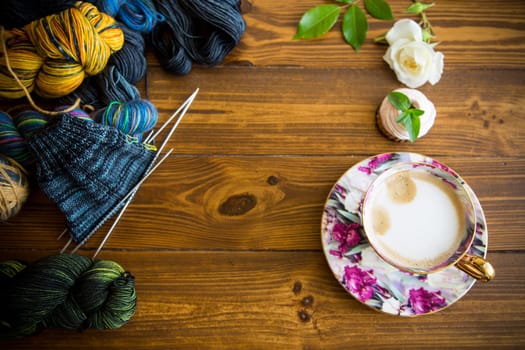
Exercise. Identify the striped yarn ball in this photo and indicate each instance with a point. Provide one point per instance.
(14, 188)
(78, 113)
(12, 143)
(133, 118)
(28, 122)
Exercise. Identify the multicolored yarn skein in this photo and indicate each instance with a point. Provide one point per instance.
(64, 291)
(55, 53)
(203, 31)
(133, 118)
(117, 81)
(14, 188)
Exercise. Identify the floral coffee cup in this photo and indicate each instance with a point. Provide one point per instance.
(420, 218)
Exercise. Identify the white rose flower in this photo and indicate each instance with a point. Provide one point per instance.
(414, 61)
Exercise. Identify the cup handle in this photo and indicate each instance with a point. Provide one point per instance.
(476, 267)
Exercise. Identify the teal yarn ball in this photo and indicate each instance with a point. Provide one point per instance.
(64, 291)
(133, 118)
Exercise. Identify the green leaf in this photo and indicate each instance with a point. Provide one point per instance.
(355, 27)
(418, 7)
(317, 21)
(379, 9)
(413, 130)
(417, 112)
(345, 1)
(410, 120)
(403, 117)
(399, 100)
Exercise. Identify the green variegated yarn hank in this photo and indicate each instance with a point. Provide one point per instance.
(64, 291)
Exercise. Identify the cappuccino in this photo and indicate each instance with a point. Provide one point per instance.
(414, 219)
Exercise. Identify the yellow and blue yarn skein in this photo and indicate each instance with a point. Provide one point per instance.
(53, 55)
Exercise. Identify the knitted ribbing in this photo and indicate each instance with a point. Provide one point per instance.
(86, 169)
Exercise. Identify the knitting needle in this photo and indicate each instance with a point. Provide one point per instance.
(67, 245)
(62, 234)
(129, 196)
(184, 107)
(125, 207)
(190, 99)
(150, 137)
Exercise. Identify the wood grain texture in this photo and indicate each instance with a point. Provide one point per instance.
(487, 34)
(260, 300)
(224, 239)
(259, 203)
(328, 112)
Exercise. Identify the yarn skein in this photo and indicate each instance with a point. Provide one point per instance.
(203, 31)
(14, 188)
(64, 291)
(116, 82)
(53, 54)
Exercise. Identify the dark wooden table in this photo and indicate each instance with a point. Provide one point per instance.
(224, 239)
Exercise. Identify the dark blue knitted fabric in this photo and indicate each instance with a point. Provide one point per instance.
(86, 169)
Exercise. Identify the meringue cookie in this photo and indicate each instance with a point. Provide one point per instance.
(387, 115)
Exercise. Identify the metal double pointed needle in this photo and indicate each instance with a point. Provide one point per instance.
(154, 165)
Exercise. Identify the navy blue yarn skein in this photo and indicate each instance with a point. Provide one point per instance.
(130, 61)
(202, 31)
(115, 86)
(16, 13)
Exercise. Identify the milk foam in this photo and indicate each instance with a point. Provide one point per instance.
(416, 219)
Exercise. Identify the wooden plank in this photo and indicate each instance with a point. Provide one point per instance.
(332, 112)
(253, 300)
(258, 203)
(490, 34)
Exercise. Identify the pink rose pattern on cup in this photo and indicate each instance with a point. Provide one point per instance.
(364, 274)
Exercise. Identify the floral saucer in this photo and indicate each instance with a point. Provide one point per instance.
(362, 272)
